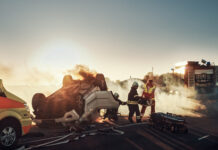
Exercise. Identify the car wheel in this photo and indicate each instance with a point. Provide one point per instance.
(9, 134)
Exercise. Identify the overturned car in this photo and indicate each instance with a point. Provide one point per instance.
(77, 101)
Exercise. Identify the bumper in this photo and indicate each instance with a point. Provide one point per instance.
(26, 125)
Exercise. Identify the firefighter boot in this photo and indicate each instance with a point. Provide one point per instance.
(138, 119)
(130, 120)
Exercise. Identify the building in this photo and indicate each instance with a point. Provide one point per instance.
(202, 77)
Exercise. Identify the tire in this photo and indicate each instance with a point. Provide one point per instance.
(38, 103)
(10, 129)
(101, 82)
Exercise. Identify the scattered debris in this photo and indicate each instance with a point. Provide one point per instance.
(50, 142)
(203, 137)
(77, 135)
(58, 143)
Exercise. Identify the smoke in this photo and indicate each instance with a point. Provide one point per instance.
(5, 70)
(210, 101)
(123, 88)
(25, 82)
(177, 102)
(82, 72)
(171, 96)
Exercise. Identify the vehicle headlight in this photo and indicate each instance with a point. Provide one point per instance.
(27, 107)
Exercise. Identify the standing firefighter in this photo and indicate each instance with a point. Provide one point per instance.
(112, 113)
(133, 103)
(148, 94)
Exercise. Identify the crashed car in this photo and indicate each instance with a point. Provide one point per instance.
(76, 102)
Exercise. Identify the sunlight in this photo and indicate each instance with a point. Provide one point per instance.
(180, 67)
(60, 54)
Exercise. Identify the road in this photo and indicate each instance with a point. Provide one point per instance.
(202, 136)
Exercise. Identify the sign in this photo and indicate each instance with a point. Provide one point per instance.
(204, 71)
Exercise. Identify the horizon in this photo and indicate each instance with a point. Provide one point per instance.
(119, 39)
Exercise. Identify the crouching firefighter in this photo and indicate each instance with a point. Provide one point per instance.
(133, 103)
(112, 113)
(148, 93)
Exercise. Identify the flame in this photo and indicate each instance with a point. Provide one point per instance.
(81, 72)
(99, 120)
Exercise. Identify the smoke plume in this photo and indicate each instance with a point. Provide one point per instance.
(82, 72)
(5, 70)
(171, 96)
(177, 102)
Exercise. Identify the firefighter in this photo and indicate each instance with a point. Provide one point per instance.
(112, 113)
(116, 96)
(133, 103)
(148, 93)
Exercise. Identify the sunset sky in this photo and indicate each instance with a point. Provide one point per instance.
(120, 38)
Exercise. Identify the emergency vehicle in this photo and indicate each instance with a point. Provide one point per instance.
(15, 119)
(202, 77)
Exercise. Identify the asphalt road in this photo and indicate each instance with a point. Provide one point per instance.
(136, 137)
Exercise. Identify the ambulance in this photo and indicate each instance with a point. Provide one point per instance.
(15, 118)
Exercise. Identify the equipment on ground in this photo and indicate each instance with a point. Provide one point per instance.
(168, 121)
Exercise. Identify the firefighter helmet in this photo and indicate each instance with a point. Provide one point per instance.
(116, 95)
(135, 84)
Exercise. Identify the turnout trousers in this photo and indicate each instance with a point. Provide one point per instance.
(134, 108)
(152, 108)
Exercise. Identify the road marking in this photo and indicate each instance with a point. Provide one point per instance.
(134, 144)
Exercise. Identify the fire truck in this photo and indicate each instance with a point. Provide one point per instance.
(203, 77)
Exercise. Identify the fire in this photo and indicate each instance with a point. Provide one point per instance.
(99, 120)
(180, 67)
(81, 72)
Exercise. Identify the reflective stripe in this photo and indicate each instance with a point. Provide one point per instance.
(138, 117)
(6, 103)
(132, 102)
(26, 129)
(149, 90)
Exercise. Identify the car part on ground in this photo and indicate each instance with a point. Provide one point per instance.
(72, 136)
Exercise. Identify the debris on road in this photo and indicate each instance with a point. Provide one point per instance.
(203, 137)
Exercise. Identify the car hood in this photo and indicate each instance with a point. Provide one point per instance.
(10, 95)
